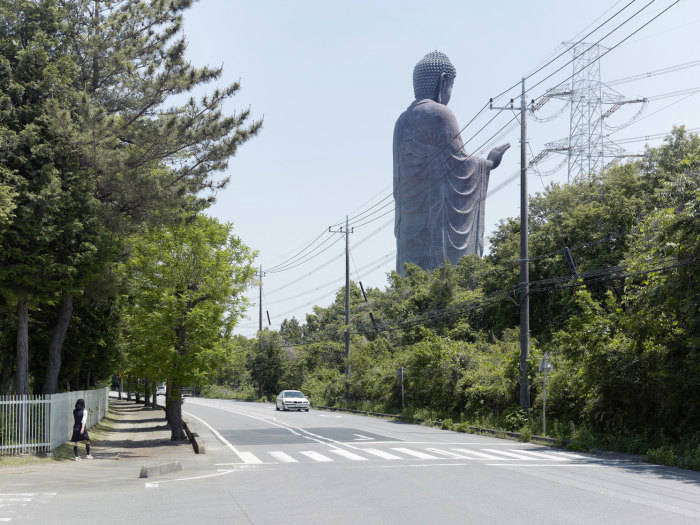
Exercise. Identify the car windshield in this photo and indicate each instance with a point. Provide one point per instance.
(293, 394)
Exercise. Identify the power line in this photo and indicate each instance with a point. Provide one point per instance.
(281, 267)
(609, 49)
(309, 256)
(649, 74)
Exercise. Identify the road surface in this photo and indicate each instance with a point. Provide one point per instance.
(263, 466)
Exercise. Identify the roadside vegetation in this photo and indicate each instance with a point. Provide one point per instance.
(112, 145)
(110, 268)
(623, 332)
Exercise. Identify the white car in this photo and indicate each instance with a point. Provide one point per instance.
(161, 390)
(291, 400)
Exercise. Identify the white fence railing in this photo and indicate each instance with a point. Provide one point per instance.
(41, 423)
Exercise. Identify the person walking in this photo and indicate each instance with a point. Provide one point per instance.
(80, 414)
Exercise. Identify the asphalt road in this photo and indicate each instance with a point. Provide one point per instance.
(270, 467)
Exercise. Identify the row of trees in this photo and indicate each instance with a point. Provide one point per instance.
(104, 151)
(623, 334)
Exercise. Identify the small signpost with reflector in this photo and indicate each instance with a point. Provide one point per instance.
(545, 366)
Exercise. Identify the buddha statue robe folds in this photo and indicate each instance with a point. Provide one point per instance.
(439, 190)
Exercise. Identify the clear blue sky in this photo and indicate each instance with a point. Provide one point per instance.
(330, 79)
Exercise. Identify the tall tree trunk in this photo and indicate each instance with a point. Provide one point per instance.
(147, 392)
(56, 345)
(22, 362)
(121, 386)
(154, 391)
(128, 388)
(174, 412)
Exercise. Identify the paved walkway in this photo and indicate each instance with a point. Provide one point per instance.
(130, 437)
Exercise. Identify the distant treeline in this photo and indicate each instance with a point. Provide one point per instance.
(621, 325)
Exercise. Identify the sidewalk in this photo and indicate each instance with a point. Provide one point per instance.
(130, 438)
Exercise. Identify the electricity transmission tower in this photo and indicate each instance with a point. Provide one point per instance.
(591, 102)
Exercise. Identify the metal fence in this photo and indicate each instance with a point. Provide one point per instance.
(41, 423)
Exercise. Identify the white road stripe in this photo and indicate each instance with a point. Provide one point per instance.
(380, 453)
(447, 453)
(569, 455)
(281, 456)
(414, 453)
(538, 455)
(316, 456)
(474, 454)
(509, 454)
(250, 458)
(347, 454)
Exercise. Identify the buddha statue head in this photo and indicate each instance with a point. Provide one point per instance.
(433, 77)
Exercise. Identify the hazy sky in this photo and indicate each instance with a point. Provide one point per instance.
(330, 79)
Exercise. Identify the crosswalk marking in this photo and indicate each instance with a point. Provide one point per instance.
(570, 455)
(473, 454)
(509, 454)
(347, 454)
(316, 456)
(414, 453)
(281, 456)
(538, 455)
(391, 454)
(250, 458)
(446, 453)
(380, 453)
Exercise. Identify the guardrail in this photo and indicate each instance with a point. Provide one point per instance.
(472, 428)
(41, 423)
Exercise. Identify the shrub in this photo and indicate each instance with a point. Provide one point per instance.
(525, 433)
(514, 419)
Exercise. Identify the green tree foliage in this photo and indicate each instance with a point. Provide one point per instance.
(623, 335)
(100, 134)
(186, 284)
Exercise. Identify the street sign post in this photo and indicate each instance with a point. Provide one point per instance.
(545, 366)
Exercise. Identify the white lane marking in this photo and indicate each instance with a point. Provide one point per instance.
(316, 456)
(154, 484)
(569, 455)
(537, 465)
(473, 454)
(217, 434)
(15, 499)
(414, 453)
(347, 454)
(360, 437)
(319, 439)
(5, 519)
(380, 453)
(538, 455)
(509, 454)
(447, 453)
(27, 494)
(281, 456)
(250, 458)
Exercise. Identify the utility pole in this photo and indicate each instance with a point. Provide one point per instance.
(347, 231)
(524, 271)
(524, 284)
(261, 274)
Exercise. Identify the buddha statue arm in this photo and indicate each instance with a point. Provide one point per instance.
(496, 154)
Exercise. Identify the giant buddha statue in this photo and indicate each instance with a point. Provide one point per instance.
(439, 190)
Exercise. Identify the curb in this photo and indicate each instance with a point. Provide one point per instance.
(164, 468)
